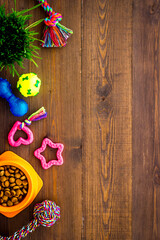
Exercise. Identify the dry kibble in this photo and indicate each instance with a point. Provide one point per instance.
(1, 194)
(16, 187)
(1, 173)
(7, 193)
(18, 192)
(24, 191)
(17, 175)
(13, 168)
(20, 198)
(4, 204)
(13, 186)
(18, 182)
(23, 178)
(5, 198)
(14, 199)
(13, 192)
(12, 180)
(7, 173)
(10, 170)
(3, 179)
(6, 183)
(25, 182)
(9, 203)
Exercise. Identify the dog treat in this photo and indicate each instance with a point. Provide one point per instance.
(13, 186)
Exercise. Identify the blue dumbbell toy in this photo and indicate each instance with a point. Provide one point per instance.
(18, 107)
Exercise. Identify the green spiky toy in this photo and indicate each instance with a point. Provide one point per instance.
(16, 39)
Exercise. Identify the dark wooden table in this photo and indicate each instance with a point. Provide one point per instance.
(101, 93)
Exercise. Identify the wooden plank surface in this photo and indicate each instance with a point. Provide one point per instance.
(146, 102)
(101, 93)
(107, 130)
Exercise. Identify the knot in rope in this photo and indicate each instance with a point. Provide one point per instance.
(53, 19)
(46, 213)
(26, 122)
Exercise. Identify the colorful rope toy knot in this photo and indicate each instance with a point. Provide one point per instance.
(25, 123)
(53, 20)
(40, 114)
(55, 34)
(45, 214)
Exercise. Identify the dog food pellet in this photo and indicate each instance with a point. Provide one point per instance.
(4, 204)
(17, 175)
(3, 179)
(13, 186)
(9, 203)
(12, 180)
(6, 183)
(11, 171)
(7, 174)
(1, 173)
(18, 182)
(14, 199)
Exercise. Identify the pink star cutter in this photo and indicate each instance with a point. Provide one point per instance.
(45, 142)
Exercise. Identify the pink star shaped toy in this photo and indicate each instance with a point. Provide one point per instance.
(45, 142)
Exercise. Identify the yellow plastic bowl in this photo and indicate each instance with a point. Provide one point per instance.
(35, 183)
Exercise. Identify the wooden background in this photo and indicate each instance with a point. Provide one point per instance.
(101, 93)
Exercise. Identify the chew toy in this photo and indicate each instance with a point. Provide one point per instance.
(18, 107)
(40, 114)
(29, 84)
(55, 34)
(45, 142)
(45, 214)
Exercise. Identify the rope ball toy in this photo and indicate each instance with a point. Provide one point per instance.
(18, 107)
(45, 214)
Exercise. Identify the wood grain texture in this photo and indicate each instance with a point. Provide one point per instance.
(101, 93)
(107, 118)
(61, 96)
(146, 104)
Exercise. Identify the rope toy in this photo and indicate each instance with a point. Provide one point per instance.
(40, 114)
(18, 107)
(45, 142)
(55, 34)
(45, 214)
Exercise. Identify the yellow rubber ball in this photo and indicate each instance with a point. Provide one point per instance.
(29, 84)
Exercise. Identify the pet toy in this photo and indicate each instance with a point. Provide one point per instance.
(16, 39)
(45, 142)
(18, 107)
(29, 84)
(55, 34)
(45, 214)
(40, 114)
